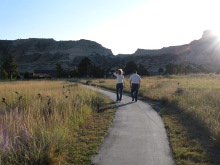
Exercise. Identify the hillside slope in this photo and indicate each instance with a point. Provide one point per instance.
(32, 54)
(36, 53)
(205, 52)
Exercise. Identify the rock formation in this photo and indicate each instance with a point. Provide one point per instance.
(32, 54)
(205, 52)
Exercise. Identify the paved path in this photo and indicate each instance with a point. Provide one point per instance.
(136, 137)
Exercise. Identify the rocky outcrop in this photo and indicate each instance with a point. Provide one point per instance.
(35, 53)
(205, 52)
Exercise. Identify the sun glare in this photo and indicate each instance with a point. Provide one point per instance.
(216, 33)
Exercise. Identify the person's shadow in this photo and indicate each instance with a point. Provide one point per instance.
(111, 105)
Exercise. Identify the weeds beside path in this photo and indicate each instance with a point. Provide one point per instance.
(89, 137)
(50, 122)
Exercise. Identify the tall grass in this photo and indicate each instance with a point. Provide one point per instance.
(196, 95)
(38, 120)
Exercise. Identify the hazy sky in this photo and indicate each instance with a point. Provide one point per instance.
(120, 25)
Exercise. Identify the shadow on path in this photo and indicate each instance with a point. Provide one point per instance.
(113, 105)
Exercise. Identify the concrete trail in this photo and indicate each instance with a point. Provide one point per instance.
(137, 136)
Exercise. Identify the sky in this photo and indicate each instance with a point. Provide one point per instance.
(120, 25)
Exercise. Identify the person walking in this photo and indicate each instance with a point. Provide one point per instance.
(120, 84)
(135, 81)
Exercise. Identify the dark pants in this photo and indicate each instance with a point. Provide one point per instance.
(134, 91)
(119, 88)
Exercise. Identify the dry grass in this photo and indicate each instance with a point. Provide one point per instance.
(40, 119)
(196, 96)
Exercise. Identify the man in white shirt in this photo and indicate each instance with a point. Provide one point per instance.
(135, 81)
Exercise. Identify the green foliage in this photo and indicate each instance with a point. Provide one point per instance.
(130, 67)
(97, 72)
(4, 74)
(142, 70)
(86, 68)
(10, 67)
(27, 75)
(170, 69)
(160, 70)
(74, 73)
(83, 67)
(184, 69)
(60, 71)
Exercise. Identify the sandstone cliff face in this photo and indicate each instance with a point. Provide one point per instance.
(205, 52)
(34, 53)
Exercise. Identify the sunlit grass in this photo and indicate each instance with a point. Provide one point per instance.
(196, 96)
(39, 120)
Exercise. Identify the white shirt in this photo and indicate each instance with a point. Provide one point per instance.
(135, 78)
(120, 77)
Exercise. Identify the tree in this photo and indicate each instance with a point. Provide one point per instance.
(160, 70)
(170, 68)
(4, 74)
(142, 70)
(60, 71)
(188, 69)
(83, 67)
(28, 75)
(130, 67)
(10, 68)
(97, 72)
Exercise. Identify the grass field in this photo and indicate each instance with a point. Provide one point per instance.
(54, 122)
(43, 122)
(190, 103)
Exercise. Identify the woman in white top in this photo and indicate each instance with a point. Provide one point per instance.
(120, 84)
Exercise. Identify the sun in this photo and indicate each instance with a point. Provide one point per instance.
(212, 33)
(216, 33)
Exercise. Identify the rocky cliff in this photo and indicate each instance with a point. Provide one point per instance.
(205, 52)
(31, 54)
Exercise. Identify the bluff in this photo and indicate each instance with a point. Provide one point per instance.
(43, 54)
(34, 53)
(204, 52)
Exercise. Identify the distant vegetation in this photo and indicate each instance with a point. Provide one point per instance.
(86, 68)
(9, 69)
(173, 69)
